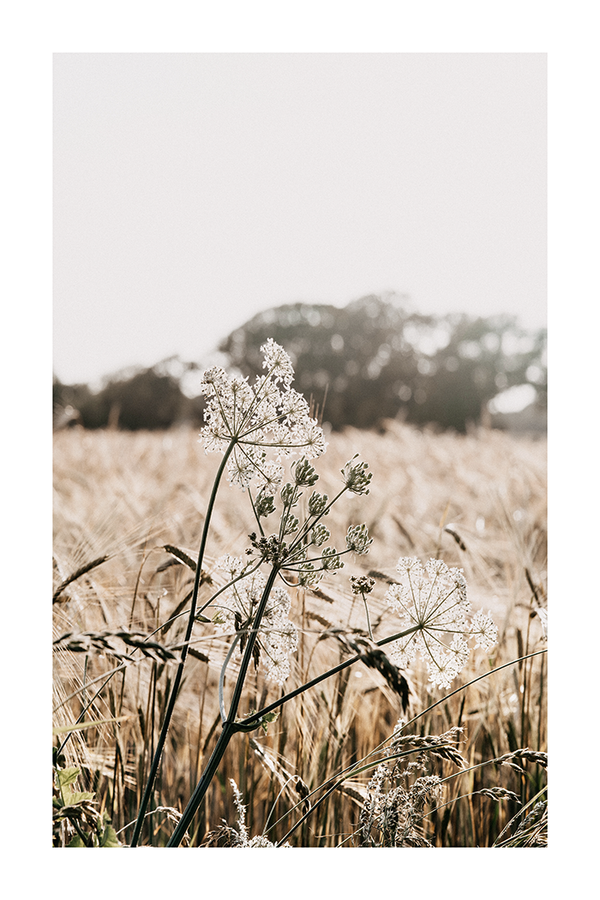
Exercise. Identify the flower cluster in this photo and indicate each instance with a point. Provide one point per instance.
(269, 415)
(356, 477)
(277, 636)
(357, 539)
(289, 549)
(432, 603)
(362, 584)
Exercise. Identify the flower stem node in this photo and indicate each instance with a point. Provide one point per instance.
(271, 549)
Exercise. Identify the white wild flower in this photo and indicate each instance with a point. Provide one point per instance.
(267, 416)
(277, 361)
(277, 636)
(484, 630)
(432, 600)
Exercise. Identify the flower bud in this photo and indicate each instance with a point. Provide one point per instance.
(320, 535)
(331, 559)
(356, 477)
(317, 504)
(305, 475)
(358, 539)
(362, 584)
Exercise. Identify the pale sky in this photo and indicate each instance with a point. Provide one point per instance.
(192, 190)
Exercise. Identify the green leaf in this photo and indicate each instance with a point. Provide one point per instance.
(268, 717)
(109, 838)
(76, 842)
(72, 798)
(67, 776)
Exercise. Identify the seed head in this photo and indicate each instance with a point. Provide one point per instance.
(320, 535)
(317, 503)
(264, 505)
(331, 559)
(305, 475)
(362, 584)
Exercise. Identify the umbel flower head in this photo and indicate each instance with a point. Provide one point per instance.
(277, 635)
(432, 600)
(268, 415)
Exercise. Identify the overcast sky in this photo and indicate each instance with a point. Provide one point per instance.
(193, 190)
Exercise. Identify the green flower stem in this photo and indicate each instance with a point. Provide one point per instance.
(255, 717)
(234, 644)
(203, 785)
(308, 524)
(368, 617)
(295, 565)
(256, 516)
(229, 726)
(252, 637)
(184, 652)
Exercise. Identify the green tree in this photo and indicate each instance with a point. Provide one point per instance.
(352, 362)
(373, 360)
(481, 358)
(149, 398)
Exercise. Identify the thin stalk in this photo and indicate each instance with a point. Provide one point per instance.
(202, 786)
(255, 717)
(234, 644)
(520, 813)
(184, 652)
(368, 617)
(314, 520)
(130, 659)
(229, 726)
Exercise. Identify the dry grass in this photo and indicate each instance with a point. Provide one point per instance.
(478, 501)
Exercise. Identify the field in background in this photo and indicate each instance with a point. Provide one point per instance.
(477, 501)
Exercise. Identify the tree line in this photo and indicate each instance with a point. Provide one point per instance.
(359, 365)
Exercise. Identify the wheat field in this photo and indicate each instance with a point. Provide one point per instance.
(476, 501)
